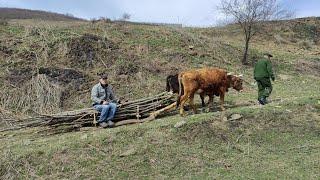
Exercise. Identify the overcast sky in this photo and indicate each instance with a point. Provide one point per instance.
(187, 12)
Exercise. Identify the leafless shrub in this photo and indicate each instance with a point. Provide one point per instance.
(93, 20)
(126, 16)
(101, 19)
(105, 19)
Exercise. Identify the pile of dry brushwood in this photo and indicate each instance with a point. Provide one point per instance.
(137, 111)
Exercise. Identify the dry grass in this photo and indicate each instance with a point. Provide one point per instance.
(306, 44)
(37, 96)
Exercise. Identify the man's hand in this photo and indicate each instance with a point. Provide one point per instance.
(105, 103)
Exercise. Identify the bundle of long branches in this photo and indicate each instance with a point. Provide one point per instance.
(136, 111)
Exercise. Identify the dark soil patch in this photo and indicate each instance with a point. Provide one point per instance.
(18, 77)
(60, 76)
(64, 76)
(5, 50)
(72, 81)
(8, 46)
(29, 55)
(87, 49)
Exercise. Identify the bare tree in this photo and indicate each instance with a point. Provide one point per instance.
(126, 17)
(249, 14)
(69, 15)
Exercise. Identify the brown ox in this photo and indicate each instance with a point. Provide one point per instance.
(210, 81)
(173, 86)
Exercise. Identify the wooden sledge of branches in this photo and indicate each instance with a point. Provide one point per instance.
(137, 111)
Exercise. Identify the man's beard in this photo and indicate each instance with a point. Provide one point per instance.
(104, 85)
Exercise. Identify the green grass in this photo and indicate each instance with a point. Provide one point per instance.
(267, 143)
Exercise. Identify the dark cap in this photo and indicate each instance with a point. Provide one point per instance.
(104, 76)
(267, 54)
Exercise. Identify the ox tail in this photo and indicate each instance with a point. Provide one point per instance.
(168, 85)
(180, 89)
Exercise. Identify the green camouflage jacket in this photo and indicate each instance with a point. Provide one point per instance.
(263, 69)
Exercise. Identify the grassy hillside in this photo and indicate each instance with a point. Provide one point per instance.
(139, 56)
(57, 63)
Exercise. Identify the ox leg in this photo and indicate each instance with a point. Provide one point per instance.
(191, 102)
(210, 102)
(202, 100)
(202, 95)
(183, 100)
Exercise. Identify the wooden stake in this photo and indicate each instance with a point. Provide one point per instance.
(138, 115)
(94, 119)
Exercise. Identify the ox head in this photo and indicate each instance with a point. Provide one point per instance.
(172, 83)
(235, 81)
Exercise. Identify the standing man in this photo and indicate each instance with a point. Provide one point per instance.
(262, 74)
(104, 101)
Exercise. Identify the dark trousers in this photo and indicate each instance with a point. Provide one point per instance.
(264, 87)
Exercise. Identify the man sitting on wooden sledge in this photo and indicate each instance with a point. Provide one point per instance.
(104, 101)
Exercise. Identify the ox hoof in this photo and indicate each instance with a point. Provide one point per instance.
(183, 115)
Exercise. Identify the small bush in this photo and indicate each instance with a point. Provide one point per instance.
(280, 40)
(305, 44)
(3, 22)
(105, 19)
(126, 66)
(293, 40)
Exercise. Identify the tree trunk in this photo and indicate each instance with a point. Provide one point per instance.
(245, 55)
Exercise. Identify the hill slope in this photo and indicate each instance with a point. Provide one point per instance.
(139, 56)
(58, 65)
(15, 13)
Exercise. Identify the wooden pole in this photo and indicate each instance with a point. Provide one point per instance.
(94, 119)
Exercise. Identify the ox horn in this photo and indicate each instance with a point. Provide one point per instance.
(229, 73)
(240, 75)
